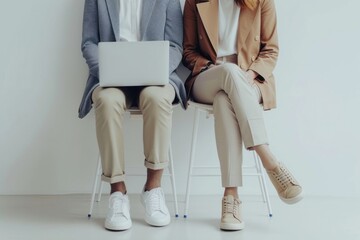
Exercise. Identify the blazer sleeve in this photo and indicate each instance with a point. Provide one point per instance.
(192, 58)
(90, 37)
(174, 33)
(269, 49)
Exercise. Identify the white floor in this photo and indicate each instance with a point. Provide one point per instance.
(65, 217)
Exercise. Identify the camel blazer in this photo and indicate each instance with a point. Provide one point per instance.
(257, 43)
(160, 20)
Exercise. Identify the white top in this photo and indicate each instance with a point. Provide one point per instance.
(229, 14)
(129, 18)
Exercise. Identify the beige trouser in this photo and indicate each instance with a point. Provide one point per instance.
(110, 104)
(237, 113)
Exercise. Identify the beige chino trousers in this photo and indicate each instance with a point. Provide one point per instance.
(155, 103)
(237, 113)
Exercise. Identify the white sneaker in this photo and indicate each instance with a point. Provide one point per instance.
(118, 217)
(156, 212)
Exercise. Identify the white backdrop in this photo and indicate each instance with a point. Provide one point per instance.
(46, 149)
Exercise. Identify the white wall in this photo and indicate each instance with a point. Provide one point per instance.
(46, 149)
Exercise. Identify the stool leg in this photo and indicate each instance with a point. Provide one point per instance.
(173, 183)
(258, 172)
(264, 187)
(100, 183)
(100, 189)
(191, 161)
(94, 187)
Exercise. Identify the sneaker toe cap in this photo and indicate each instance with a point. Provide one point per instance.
(158, 218)
(292, 192)
(118, 225)
(230, 220)
(292, 195)
(231, 224)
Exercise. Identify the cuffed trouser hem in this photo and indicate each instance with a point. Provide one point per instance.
(155, 166)
(112, 180)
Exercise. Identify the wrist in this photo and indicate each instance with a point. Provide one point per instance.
(251, 74)
(207, 66)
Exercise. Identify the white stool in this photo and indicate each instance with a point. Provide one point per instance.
(259, 172)
(134, 113)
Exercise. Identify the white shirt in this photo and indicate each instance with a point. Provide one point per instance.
(129, 18)
(229, 14)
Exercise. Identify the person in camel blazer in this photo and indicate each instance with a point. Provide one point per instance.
(231, 47)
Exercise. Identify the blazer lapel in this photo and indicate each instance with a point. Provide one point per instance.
(246, 21)
(209, 14)
(113, 7)
(146, 12)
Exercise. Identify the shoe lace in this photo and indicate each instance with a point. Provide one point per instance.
(284, 177)
(230, 207)
(236, 207)
(117, 206)
(154, 201)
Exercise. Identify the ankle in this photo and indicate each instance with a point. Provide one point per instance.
(123, 192)
(231, 191)
(271, 165)
(118, 187)
(153, 179)
(151, 185)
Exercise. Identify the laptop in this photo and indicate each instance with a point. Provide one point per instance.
(123, 64)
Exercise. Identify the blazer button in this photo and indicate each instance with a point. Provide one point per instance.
(200, 37)
(257, 38)
(253, 58)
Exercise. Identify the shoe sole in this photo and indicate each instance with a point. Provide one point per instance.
(292, 200)
(153, 223)
(232, 226)
(118, 228)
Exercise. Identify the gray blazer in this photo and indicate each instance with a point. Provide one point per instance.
(160, 20)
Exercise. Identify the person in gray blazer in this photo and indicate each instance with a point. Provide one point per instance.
(133, 20)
